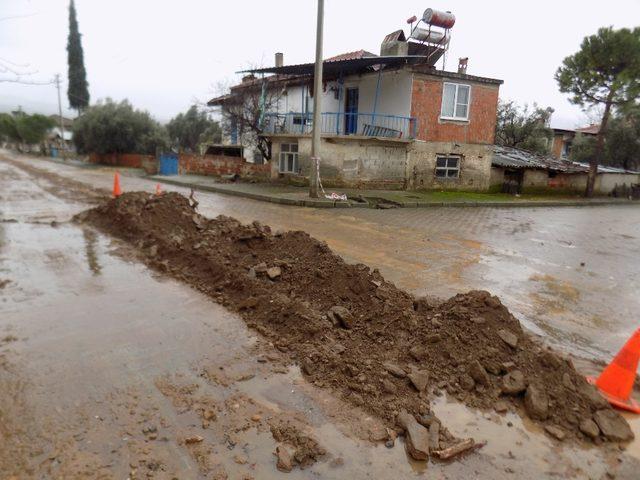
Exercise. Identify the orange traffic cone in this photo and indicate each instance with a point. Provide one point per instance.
(116, 185)
(616, 381)
(158, 189)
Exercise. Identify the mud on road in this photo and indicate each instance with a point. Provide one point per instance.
(353, 332)
(164, 384)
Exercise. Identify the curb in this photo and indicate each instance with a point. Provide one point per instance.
(313, 203)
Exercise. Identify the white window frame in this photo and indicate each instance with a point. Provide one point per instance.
(284, 154)
(447, 168)
(455, 102)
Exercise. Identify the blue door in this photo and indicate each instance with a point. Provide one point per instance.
(351, 112)
(168, 164)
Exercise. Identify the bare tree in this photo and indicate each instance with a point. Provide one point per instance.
(244, 107)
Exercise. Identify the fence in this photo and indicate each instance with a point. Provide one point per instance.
(365, 124)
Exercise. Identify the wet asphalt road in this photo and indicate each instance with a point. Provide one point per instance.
(92, 363)
(569, 274)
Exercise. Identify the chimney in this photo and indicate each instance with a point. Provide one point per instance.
(462, 64)
(279, 59)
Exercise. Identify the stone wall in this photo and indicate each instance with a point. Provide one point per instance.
(348, 161)
(475, 166)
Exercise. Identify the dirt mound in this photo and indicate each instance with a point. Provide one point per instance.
(376, 346)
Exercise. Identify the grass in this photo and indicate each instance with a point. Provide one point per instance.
(460, 196)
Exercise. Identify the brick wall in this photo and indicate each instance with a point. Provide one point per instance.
(130, 160)
(426, 103)
(218, 165)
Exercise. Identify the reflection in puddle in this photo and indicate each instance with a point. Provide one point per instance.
(90, 243)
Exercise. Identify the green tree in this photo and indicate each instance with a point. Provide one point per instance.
(190, 129)
(32, 129)
(112, 127)
(78, 89)
(605, 71)
(582, 148)
(24, 129)
(8, 130)
(523, 128)
(622, 145)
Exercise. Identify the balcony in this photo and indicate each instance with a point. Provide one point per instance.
(360, 124)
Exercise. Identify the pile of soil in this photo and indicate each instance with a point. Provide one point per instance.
(351, 331)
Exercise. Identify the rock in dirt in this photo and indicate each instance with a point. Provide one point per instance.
(284, 463)
(341, 316)
(193, 439)
(508, 337)
(416, 436)
(612, 425)
(536, 402)
(467, 382)
(388, 386)
(592, 394)
(589, 428)
(479, 374)
(274, 272)
(395, 370)
(556, 432)
(378, 433)
(434, 435)
(501, 406)
(513, 383)
(419, 379)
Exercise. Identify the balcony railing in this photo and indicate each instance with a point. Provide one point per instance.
(364, 124)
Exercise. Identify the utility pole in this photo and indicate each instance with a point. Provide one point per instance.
(63, 146)
(317, 108)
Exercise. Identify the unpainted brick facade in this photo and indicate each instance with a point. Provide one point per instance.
(426, 103)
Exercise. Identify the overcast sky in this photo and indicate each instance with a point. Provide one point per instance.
(162, 55)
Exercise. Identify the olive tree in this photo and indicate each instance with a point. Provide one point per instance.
(117, 127)
(524, 128)
(190, 129)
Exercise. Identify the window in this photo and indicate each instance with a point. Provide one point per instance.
(288, 158)
(455, 101)
(447, 166)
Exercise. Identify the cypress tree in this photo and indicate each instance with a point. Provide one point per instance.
(77, 91)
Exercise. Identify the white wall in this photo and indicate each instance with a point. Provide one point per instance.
(394, 97)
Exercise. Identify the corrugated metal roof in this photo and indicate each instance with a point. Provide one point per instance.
(347, 67)
(608, 169)
(509, 157)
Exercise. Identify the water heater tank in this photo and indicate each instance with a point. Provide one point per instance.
(438, 18)
(429, 36)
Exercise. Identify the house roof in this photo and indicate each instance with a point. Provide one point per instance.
(430, 70)
(509, 157)
(351, 56)
(345, 66)
(592, 129)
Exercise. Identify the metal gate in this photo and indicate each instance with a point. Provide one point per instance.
(168, 164)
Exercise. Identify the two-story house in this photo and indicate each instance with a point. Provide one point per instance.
(390, 121)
